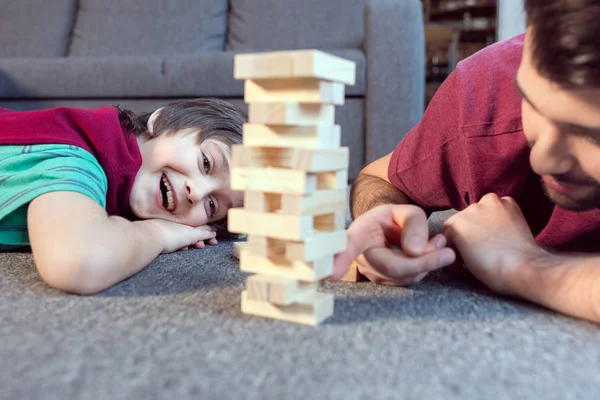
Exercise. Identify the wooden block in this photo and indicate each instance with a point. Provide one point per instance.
(320, 245)
(331, 222)
(310, 160)
(282, 226)
(323, 65)
(319, 202)
(286, 181)
(267, 65)
(301, 90)
(332, 180)
(286, 227)
(307, 136)
(298, 63)
(262, 202)
(278, 290)
(267, 247)
(353, 275)
(313, 271)
(310, 311)
(237, 248)
(291, 113)
(273, 180)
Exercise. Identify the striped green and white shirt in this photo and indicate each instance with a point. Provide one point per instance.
(27, 172)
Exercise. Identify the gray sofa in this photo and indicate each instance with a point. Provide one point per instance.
(142, 53)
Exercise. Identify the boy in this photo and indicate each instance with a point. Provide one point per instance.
(98, 194)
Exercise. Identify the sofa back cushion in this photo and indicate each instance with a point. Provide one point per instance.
(119, 27)
(34, 28)
(293, 24)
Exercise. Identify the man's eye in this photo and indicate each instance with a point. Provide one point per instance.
(592, 140)
(206, 163)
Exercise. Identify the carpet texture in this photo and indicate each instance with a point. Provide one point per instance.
(175, 331)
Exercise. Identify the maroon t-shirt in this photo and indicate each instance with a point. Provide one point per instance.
(96, 130)
(470, 142)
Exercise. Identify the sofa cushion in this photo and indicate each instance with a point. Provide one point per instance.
(33, 28)
(191, 75)
(157, 27)
(303, 24)
(73, 77)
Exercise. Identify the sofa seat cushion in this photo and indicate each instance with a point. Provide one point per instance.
(191, 75)
(80, 77)
(33, 28)
(116, 27)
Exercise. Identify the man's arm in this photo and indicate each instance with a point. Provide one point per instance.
(371, 188)
(569, 284)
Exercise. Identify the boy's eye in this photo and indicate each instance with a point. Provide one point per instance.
(206, 163)
(213, 208)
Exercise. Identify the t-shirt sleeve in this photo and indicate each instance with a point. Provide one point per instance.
(430, 164)
(27, 172)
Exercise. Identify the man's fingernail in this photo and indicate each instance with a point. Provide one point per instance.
(440, 243)
(416, 243)
(446, 258)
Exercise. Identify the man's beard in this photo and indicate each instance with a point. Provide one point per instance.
(588, 201)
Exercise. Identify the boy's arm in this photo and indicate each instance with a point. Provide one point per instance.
(78, 248)
(371, 188)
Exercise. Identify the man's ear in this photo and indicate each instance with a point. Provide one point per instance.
(150, 124)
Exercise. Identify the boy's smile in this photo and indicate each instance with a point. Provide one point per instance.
(166, 196)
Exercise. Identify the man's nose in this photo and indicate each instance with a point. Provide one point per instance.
(551, 154)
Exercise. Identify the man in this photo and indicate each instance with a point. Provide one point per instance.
(512, 141)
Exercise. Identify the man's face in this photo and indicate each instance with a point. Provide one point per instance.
(563, 130)
(182, 181)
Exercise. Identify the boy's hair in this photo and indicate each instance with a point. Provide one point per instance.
(214, 119)
(566, 41)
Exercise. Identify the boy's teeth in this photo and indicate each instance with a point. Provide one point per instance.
(170, 202)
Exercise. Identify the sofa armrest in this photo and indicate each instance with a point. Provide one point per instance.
(395, 49)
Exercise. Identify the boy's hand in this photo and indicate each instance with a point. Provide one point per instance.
(174, 236)
(393, 241)
(493, 239)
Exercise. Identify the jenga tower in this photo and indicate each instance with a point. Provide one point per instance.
(294, 175)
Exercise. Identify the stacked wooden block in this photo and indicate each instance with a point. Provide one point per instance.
(294, 176)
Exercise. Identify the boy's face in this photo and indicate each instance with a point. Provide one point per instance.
(563, 130)
(182, 181)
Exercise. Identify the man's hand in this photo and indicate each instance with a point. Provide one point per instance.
(494, 240)
(174, 236)
(393, 241)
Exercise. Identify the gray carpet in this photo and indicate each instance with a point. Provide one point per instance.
(175, 331)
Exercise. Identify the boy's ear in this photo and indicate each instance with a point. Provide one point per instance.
(150, 124)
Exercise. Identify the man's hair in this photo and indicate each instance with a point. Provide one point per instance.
(566, 41)
(213, 119)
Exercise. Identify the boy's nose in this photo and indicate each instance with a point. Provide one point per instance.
(194, 195)
(197, 189)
